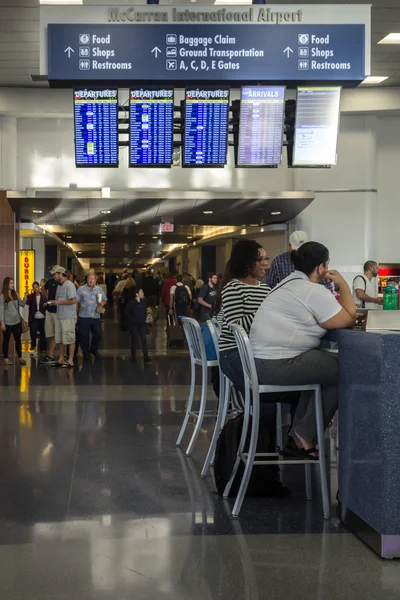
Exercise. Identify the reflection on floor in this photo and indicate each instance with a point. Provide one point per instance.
(97, 503)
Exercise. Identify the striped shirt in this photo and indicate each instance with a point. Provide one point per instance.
(240, 303)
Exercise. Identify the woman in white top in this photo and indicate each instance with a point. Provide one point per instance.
(286, 334)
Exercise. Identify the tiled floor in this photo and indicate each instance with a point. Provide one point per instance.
(96, 502)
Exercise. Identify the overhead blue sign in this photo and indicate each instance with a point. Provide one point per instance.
(235, 53)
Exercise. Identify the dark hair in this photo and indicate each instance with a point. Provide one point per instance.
(5, 290)
(100, 279)
(309, 256)
(226, 278)
(179, 278)
(243, 258)
(210, 275)
(35, 283)
(369, 264)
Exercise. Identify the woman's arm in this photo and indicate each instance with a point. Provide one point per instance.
(23, 301)
(233, 306)
(2, 310)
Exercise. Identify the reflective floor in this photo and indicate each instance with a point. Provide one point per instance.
(96, 502)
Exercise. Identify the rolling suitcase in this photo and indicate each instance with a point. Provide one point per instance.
(175, 333)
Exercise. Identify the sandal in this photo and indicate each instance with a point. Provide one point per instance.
(22, 361)
(67, 366)
(7, 361)
(292, 450)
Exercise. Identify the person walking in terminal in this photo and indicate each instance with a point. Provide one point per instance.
(282, 265)
(10, 319)
(207, 297)
(180, 298)
(51, 314)
(286, 333)
(66, 317)
(135, 314)
(37, 315)
(365, 287)
(90, 300)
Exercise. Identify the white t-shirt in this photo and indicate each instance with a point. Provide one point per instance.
(361, 282)
(288, 321)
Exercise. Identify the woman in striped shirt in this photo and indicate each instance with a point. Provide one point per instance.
(241, 298)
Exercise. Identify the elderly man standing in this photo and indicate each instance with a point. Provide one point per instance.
(90, 300)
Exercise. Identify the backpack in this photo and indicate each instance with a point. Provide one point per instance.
(264, 480)
(181, 295)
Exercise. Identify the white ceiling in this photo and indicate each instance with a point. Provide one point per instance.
(19, 38)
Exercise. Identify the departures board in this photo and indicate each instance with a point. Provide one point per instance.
(151, 118)
(96, 127)
(206, 121)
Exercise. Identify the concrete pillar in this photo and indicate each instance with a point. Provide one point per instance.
(8, 153)
(7, 244)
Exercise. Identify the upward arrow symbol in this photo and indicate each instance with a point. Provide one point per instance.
(156, 50)
(69, 50)
(287, 51)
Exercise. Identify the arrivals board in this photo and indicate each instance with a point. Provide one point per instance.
(151, 118)
(96, 128)
(206, 127)
(316, 127)
(261, 126)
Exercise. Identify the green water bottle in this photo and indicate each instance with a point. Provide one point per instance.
(390, 298)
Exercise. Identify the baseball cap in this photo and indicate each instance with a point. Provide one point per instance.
(297, 239)
(57, 269)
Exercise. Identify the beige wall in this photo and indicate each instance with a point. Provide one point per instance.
(274, 243)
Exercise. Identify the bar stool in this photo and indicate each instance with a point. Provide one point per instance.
(228, 393)
(198, 356)
(252, 407)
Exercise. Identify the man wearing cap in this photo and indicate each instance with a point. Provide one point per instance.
(282, 266)
(51, 315)
(66, 317)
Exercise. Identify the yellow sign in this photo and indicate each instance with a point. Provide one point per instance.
(26, 271)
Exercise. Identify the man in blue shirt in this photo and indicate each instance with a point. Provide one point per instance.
(282, 266)
(88, 297)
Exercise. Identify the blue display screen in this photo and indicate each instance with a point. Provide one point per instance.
(206, 127)
(151, 118)
(96, 128)
(261, 126)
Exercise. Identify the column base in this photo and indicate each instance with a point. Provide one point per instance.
(386, 546)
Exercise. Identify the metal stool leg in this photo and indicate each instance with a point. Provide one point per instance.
(221, 418)
(321, 447)
(203, 402)
(242, 443)
(189, 405)
(250, 458)
(307, 469)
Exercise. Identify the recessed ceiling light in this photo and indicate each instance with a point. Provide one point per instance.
(391, 38)
(103, 237)
(105, 224)
(64, 2)
(136, 222)
(69, 237)
(253, 224)
(189, 237)
(373, 80)
(141, 233)
(79, 252)
(155, 237)
(37, 212)
(102, 264)
(105, 212)
(208, 212)
(276, 212)
(137, 252)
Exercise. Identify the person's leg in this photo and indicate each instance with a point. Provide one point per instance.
(17, 332)
(134, 337)
(50, 329)
(83, 334)
(6, 341)
(42, 335)
(96, 335)
(33, 329)
(310, 367)
(142, 334)
(68, 334)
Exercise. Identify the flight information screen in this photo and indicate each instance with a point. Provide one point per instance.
(206, 127)
(96, 128)
(261, 126)
(317, 125)
(151, 118)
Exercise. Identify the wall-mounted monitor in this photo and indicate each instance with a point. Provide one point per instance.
(96, 127)
(206, 120)
(316, 126)
(261, 126)
(151, 118)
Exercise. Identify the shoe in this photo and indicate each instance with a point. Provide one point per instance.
(7, 361)
(86, 357)
(32, 349)
(147, 361)
(96, 354)
(22, 361)
(48, 360)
